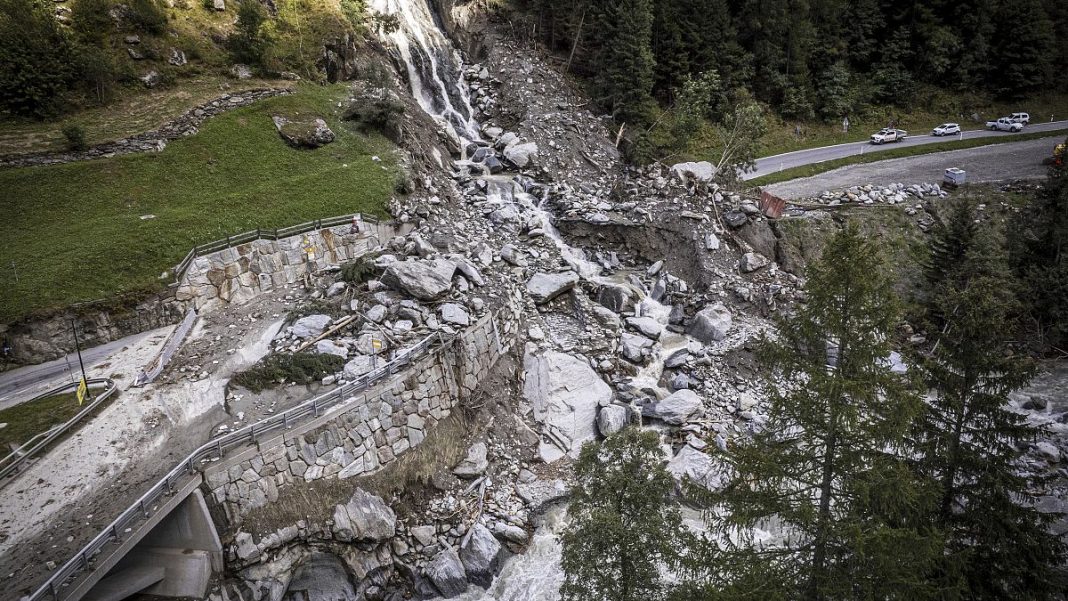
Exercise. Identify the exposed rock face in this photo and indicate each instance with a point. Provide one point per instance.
(479, 557)
(544, 287)
(426, 279)
(365, 517)
(323, 576)
(677, 408)
(711, 324)
(447, 573)
(304, 134)
(565, 393)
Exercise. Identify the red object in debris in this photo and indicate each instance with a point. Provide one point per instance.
(771, 205)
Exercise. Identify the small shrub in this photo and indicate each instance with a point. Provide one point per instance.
(360, 270)
(75, 135)
(302, 368)
(384, 114)
(147, 16)
(251, 39)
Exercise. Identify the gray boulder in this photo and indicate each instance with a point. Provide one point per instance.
(565, 393)
(303, 134)
(753, 261)
(700, 171)
(455, 314)
(521, 155)
(647, 326)
(633, 347)
(616, 297)
(711, 324)
(675, 409)
(447, 574)
(475, 464)
(358, 366)
(467, 269)
(696, 466)
(480, 556)
(544, 287)
(310, 326)
(329, 347)
(425, 279)
(365, 517)
(611, 419)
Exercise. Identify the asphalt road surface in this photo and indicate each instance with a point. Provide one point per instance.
(997, 162)
(798, 158)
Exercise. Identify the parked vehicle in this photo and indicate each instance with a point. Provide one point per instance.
(888, 135)
(1005, 124)
(1020, 118)
(946, 129)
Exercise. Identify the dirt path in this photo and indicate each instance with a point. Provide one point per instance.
(996, 162)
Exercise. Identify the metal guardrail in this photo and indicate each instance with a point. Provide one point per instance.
(262, 234)
(155, 368)
(31, 447)
(216, 449)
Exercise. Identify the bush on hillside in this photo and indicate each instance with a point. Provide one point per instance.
(35, 58)
(147, 16)
(301, 368)
(378, 111)
(75, 136)
(251, 40)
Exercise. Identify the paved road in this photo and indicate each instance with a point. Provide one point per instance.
(997, 162)
(16, 384)
(799, 158)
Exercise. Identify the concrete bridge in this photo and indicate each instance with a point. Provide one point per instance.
(168, 542)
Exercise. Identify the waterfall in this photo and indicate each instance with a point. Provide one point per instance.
(433, 64)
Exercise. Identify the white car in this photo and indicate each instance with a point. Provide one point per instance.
(946, 129)
(1020, 118)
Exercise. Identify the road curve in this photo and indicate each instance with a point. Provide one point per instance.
(798, 158)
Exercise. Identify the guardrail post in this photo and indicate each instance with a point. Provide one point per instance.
(285, 420)
(141, 504)
(315, 407)
(218, 447)
(85, 559)
(115, 533)
(52, 587)
(252, 432)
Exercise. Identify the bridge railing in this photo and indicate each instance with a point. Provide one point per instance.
(28, 449)
(264, 234)
(143, 507)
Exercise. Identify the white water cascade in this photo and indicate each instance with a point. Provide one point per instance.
(433, 64)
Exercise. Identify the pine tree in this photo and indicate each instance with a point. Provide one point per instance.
(997, 545)
(35, 58)
(829, 469)
(249, 41)
(1040, 257)
(623, 527)
(1023, 56)
(624, 63)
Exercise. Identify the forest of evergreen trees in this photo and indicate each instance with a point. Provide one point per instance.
(809, 59)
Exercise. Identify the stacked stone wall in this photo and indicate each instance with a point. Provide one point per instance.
(366, 432)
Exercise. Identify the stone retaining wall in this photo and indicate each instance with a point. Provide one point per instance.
(149, 141)
(366, 432)
(241, 272)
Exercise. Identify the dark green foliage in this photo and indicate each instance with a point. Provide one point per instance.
(250, 41)
(91, 21)
(384, 114)
(360, 270)
(624, 78)
(301, 368)
(1040, 257)
(830, 466)
(997, 545)
(75, 136)
(36, 58)
(1023, 51)
(147, 16)
(624, 528)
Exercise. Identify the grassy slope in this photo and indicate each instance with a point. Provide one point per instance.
(29, 419)
(74, 232)
(896, 153)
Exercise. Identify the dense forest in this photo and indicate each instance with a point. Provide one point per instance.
(808, 59)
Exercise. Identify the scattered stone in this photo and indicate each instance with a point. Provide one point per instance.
(544, 287)
(711, 324)
(521, 155)
(329, 347)
(753, 261)
(475, 464)
(365, 517)
(240, 71)
(447, 573)
(480, 556)
(310, 326)
(611, 419)
(648, 326)
(455, 314)
(699, 171)
(675, 409)
(151, 79)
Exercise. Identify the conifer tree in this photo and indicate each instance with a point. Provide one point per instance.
(624, 64)
(623, 527)
(829, 471)
(997, 545)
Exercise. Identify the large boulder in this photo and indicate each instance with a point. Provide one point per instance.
(304, 134)
(544, 287)
(479, 557)
(455, 314)
(700, 171)
(329, 347)
(647, 326)
(521, 155)
(475, 464)
(695, 466)
(310, 326)
(675, 409)
(711, 324)
(616, 297)
(634, 347)
(447, 573)
(565, 393)
(358, 366)
(751, 262)
(612, 419)
(365, 517)
(425, 279)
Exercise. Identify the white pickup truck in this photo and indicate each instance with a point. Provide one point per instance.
(888, 135)
(1004, 124)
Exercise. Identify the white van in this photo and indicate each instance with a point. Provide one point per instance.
(1020, 118)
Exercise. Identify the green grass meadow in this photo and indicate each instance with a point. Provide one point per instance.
(76, 232)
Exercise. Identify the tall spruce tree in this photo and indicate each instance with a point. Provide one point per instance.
(828, 471)
(1040, 257)
(624, 64)
(624, 529)
(997, 545)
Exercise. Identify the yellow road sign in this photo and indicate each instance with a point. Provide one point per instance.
(376, 343)
(83, 389)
